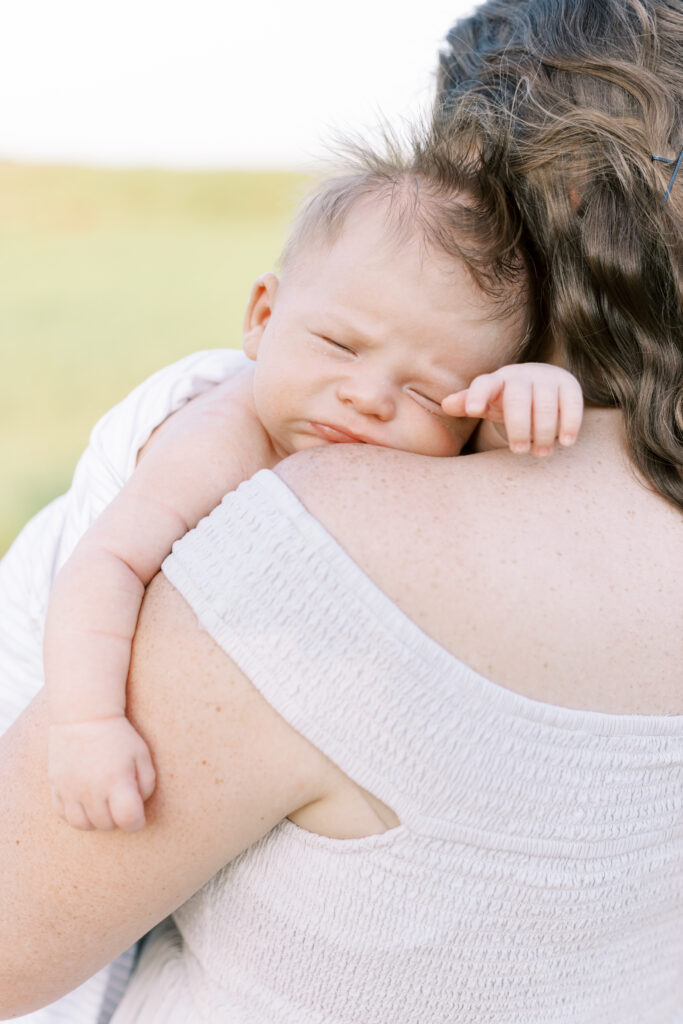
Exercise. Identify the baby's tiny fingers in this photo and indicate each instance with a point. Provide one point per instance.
(517, 399)
(454, 405)
(76, 816)
(125, 806)
(545, 416)
(483, 389)
(146, 774)
(571, 411)
(100, 816)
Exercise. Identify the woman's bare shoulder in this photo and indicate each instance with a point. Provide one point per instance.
(550, 577)
(426, 530)
(374, 500)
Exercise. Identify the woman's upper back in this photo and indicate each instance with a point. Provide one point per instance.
(559, 579)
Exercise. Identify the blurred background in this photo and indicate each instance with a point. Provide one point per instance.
(151, 154)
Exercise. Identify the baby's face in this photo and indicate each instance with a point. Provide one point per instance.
(363, 339)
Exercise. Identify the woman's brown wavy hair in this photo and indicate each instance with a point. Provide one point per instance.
(567, 101)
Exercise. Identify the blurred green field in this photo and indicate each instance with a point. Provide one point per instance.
(106, 276)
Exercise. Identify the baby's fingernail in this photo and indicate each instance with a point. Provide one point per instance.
(542, 452)
(567, 439)
(519, 448)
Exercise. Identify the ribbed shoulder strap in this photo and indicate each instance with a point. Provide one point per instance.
(313, 634)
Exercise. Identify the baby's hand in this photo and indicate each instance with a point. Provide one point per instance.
(100, 773)
(537, 403)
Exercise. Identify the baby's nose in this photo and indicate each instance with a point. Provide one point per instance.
(369, 397)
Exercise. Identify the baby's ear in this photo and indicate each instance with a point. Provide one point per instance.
(259, 308)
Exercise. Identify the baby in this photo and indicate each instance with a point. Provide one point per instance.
(377, 332)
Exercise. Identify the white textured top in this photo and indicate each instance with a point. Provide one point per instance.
(537, 875)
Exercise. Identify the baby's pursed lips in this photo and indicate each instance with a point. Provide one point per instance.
(336, 435)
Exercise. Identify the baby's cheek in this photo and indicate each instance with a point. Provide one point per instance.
(268, 400)
(451, 434)
(462, 430)
(451, 445)
(440, 438)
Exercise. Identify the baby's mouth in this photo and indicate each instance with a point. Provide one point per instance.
(335, 435)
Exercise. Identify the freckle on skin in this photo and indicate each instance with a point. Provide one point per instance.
(218, 707)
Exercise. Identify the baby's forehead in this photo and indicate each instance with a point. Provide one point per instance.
(394, 224)
(372, 233)
(370, 265)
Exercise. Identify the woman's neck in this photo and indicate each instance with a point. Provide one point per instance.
(602, 425)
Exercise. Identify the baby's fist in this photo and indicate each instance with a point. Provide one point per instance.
(100, 774)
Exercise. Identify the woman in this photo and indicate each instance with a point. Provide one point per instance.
(450, 747)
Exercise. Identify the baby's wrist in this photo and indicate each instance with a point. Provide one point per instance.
(71, 721)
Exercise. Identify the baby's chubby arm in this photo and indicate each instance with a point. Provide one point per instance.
(100, 768)
(524, 406)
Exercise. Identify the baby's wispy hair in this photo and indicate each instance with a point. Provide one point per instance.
(432, 189)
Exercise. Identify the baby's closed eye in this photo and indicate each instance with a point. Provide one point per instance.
(336, 344)
(426, 401)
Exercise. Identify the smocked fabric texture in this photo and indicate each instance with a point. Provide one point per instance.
(536, 876)
(30, 565)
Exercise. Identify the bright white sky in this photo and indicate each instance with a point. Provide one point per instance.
(208, 82)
